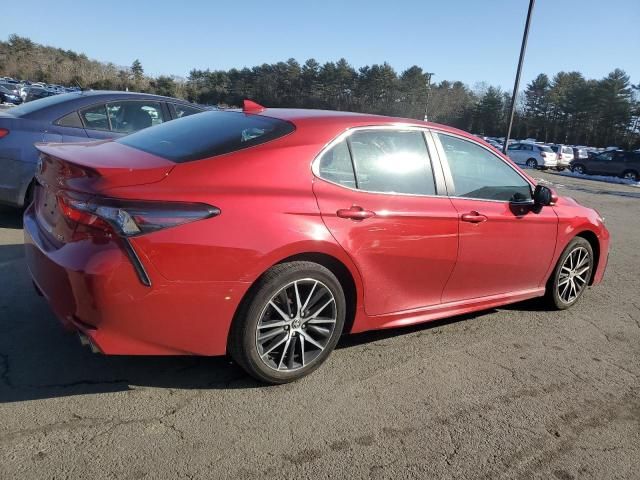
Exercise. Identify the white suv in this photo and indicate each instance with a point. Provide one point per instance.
(565, 155)
(532, 155)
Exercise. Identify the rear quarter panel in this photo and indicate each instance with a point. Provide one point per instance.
(268, 213)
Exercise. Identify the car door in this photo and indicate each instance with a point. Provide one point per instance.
(515, 153)
(601, 164)
(377, 194)
(502, 248)
(617, 165)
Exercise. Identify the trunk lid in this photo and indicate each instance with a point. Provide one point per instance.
(82, 170)
(94, 167)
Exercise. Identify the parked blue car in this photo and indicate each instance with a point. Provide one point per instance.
(73, 117)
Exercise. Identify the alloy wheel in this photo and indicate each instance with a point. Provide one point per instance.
(296, 325)
(531, 163)
(574, 275)
(631, 176)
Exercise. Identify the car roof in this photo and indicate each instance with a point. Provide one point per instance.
(56, 106)
(341, 120)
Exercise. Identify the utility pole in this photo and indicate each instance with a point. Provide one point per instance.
(517, 82)
(426, 107)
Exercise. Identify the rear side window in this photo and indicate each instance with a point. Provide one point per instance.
(544, 148)
(392, 161)
(70, 120)
(212, 133)
(184, 110)
(95, 118)
(335, 165)
(131, 116)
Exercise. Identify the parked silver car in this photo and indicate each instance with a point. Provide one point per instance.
(565, 155)
(532, 155)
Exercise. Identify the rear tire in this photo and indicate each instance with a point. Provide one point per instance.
(630, 175)
(579, 168)
(289, 323)
(571, 275)
(532, 163)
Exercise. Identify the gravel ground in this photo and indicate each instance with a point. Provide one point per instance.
(516, 392)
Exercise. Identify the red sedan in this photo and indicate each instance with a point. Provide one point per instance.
(266, 234)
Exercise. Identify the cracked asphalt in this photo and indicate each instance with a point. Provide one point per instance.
(515, 392)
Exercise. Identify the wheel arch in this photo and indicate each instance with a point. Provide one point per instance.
(592, 238)
(343, 273)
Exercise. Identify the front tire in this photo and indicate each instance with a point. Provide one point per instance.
(290, 324)
(572, 274)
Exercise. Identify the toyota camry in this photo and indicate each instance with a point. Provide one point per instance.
(265, 234)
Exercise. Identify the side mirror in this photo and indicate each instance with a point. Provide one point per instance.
(544, 196)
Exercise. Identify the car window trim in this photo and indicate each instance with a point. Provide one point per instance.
(444, 161)
(438, 177)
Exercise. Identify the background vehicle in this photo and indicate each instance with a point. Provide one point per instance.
(564, 154)
(612, 162)
(36, 93)
(532, 155)
(365, 222)
(12, 88)
(8, 96)
(580, 153)
(73, 117)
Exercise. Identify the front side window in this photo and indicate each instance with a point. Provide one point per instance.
(605, 157)
(392, 161)
(479, 174)
(129, 117)
(515, 146)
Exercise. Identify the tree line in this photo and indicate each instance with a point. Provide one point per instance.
(566, 108)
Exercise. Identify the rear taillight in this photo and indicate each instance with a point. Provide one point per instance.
(544, 154)
(4, 132)
(129, 218)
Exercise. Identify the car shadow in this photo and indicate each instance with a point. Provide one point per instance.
(40, 360)
(10, 217)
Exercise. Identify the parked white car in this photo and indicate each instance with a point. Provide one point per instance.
(565, 155)
(532, 155)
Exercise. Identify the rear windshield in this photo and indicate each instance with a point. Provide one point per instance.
(206, 135)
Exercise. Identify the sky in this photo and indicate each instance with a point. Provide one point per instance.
(467, 40)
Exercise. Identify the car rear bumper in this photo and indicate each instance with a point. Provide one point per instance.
(94, 289)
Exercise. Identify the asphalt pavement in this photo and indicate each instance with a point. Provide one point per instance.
(517, 392)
